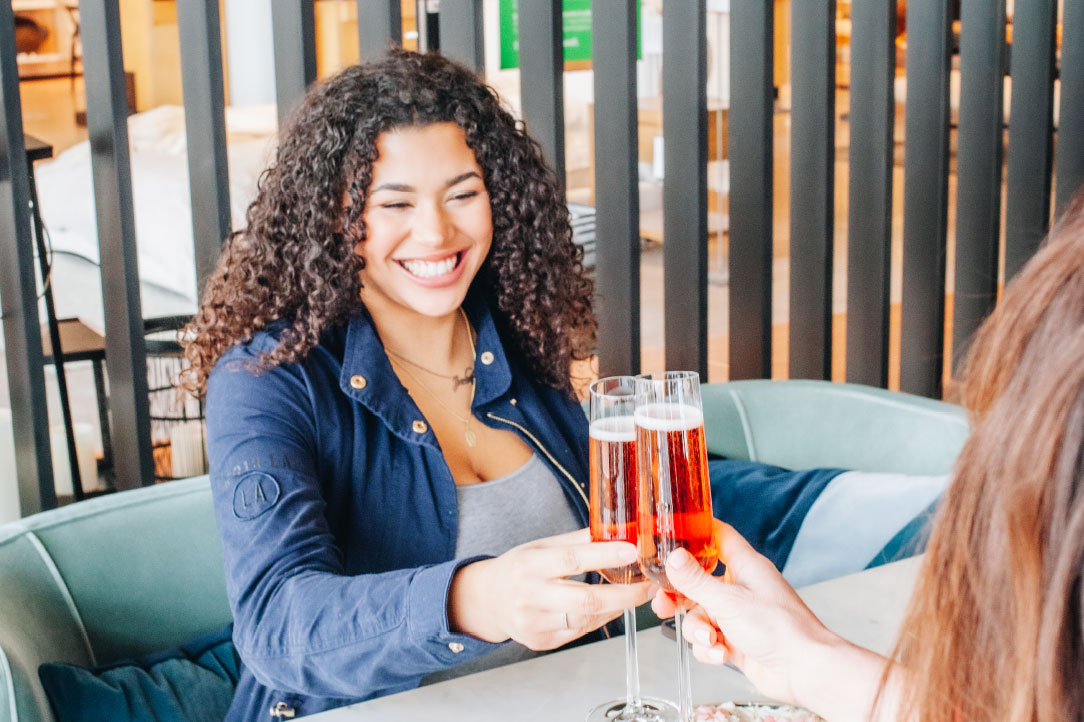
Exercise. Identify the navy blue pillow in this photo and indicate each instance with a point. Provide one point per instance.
(192, 683)
(765, 504)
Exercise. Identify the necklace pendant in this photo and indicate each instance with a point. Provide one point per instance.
(466, 378)
(472, 439)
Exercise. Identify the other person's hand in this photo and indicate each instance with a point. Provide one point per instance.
(525, 595)
(751, 617)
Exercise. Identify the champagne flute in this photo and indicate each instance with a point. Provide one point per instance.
(675, 491)
(614, 515)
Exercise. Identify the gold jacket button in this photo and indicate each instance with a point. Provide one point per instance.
(487, 357)
(512, 401)
(358, 382)
(419, 426)
(455, 647)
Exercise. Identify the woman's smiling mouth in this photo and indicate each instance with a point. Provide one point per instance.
(429, 269)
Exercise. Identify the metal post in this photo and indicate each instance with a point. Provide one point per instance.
(18, 302)
(617, 201)
(205, 127)
(541, 70)
(685, 189)
(293, 29)
(107, 126)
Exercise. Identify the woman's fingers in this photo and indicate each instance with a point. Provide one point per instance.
(689, 578)
(590, 600)
(663, 604)
(567, 560)
(698, 628)
(580, 536)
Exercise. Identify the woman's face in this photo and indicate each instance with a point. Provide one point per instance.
(427, 219)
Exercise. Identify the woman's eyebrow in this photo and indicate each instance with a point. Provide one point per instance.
(400, 187)
(462, 177)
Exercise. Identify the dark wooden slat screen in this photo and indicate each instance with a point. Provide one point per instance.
(18, 293)
(925, 206)
(1027, 212)
(380, 26)
(979, 156)
(461, 32)
(617, 202)
(541, 66)
(107, 109)
(812, 170)
(205, 128)
(749, 145)
(1070, 152)
(293, 30)
(869, 211)
(685, 191)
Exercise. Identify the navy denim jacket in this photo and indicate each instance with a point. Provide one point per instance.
(338, 514)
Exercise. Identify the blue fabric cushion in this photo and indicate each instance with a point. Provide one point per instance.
(193, 683)
(766, 504)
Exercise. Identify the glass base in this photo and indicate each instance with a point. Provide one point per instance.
(651, 709)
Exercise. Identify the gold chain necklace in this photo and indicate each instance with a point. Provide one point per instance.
(468, 432)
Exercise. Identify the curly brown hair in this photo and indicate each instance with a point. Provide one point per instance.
(295, 263)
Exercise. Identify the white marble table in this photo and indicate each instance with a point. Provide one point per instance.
(866, 608)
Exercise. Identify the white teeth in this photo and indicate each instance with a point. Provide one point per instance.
(428, 269)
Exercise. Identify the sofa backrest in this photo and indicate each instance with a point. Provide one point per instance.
(112, 578)
(811, 424)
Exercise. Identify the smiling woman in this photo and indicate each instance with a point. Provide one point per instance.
(398, 464)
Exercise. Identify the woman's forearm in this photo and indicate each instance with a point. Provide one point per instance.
(843, 683)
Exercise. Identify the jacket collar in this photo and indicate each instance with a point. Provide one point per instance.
(383, 393)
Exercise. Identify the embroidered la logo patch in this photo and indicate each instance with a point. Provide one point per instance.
(254, 494)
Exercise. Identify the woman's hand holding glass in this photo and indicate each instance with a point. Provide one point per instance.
(525, 594)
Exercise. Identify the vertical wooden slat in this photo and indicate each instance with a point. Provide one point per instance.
(205, 128)
(925, 206)
(541, 72)
(617, 202)
(380, 26)
(685, 191)
(812, 173)
(107, 126)
(293, 30)
(18, 293)
(1027, 211)
(979, 156)
(869, 211)
(750, 144)
(461, 32)
(1070, 153)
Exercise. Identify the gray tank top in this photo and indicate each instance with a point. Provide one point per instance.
(495, 516)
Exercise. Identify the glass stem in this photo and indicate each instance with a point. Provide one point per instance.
(685, 688)
(632, 664)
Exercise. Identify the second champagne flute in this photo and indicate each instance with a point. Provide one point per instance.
(675, 491)
(614, 515)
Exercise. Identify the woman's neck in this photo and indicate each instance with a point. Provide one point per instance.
(437, 343)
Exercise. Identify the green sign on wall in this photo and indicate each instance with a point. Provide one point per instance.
(576, 21)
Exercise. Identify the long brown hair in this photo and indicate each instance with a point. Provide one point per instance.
(994, 630)
(294, 262)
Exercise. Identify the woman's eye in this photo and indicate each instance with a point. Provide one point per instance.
(465, 195)
(395, 205)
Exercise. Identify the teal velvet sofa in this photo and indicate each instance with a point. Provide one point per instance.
(121, 576)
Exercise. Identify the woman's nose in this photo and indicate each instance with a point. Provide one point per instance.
(431, 224)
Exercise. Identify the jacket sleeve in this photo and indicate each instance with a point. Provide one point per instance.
(300, 624)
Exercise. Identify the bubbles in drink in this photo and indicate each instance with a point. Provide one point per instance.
(676, 507)
(614, 489)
